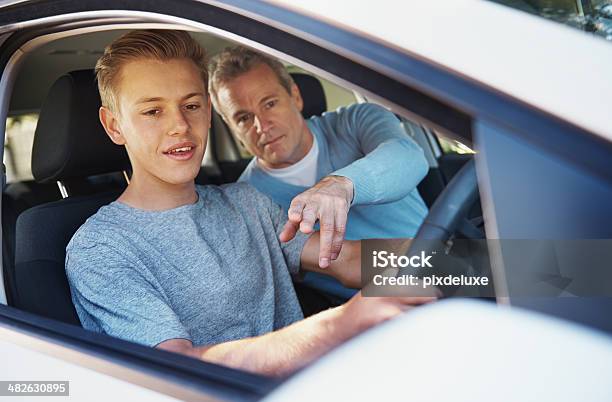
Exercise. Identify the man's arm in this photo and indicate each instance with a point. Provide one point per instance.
(328, 202)
(392, 166)
(284, 351)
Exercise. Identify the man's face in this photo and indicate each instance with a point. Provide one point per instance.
(265, 118)
(163, 119)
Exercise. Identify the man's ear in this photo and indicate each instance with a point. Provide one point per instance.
(220, 113)
(209, 111)
(297, 96)
(229, 126)
(227, 122)
(111, 125)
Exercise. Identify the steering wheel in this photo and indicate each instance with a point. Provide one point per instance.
(449, 212)
(447, 217)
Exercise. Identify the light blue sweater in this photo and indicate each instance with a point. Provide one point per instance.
(367, 144)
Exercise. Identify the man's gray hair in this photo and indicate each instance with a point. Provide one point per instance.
(234, 61)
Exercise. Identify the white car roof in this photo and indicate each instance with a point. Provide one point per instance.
(556, 68)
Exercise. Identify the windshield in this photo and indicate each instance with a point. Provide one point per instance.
(593, 16)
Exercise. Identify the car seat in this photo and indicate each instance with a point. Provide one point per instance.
(69, 143)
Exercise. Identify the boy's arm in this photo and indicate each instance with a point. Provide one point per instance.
(347, 267)
(286, 350)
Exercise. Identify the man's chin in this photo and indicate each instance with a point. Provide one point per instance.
(275, 161)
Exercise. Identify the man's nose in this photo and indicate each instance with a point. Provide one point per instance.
(262, 124)
(180, 125)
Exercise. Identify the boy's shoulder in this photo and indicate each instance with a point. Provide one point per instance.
(241, 192)
(101, 228)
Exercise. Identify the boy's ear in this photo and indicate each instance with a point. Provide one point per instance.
(111, 125)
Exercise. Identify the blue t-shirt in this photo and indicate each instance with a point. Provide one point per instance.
(208, 272)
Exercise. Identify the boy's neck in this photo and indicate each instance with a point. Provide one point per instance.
(158, 196)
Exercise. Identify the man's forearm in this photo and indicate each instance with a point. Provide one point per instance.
(284, 351)
(386, 174)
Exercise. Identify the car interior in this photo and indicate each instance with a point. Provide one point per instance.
(75, 169)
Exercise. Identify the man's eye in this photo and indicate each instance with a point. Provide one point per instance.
(271, 104)
(244, 118)
(192, 106)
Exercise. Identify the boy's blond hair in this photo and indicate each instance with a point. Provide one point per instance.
(145, 44)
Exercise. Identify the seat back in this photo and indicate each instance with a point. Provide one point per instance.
(42, 235)
(69, 144)
(312, 93)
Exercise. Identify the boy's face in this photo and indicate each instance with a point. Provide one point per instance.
(163, 119)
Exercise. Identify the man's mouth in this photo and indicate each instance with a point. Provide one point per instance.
(274, 141)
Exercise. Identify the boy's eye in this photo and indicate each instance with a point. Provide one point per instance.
(151, 112)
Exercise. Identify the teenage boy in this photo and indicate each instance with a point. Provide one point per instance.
(198, 270)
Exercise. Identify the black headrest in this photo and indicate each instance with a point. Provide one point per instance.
(69, 141)
(312, 94)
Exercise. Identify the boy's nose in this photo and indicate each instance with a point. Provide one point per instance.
(180, 124)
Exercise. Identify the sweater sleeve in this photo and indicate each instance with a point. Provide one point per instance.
(392, 165)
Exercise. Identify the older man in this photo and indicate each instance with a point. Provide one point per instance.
(358, 157)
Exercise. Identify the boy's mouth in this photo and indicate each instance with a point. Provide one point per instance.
(181, 151)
